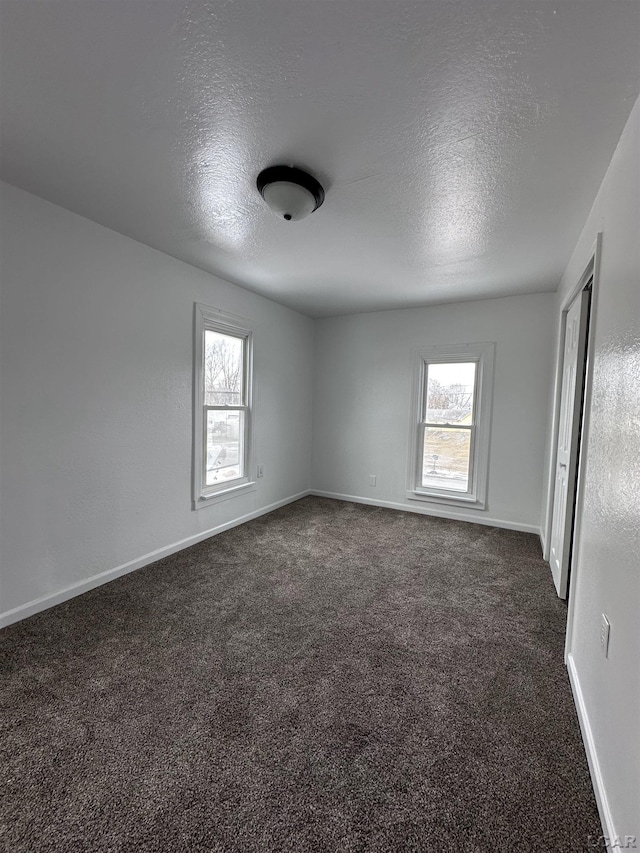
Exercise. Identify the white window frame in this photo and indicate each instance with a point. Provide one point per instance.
(483, 354)
(212, 319)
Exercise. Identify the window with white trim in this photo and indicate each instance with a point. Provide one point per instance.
(222, 406)
(450, 424)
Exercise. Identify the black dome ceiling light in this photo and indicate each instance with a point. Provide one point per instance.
(291, 193)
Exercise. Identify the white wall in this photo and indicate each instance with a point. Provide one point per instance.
(362, 394)
(606, 571)
(96, 378)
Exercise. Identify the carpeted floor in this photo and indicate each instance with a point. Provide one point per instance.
(330, 677)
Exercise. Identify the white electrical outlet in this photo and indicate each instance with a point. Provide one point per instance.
(260, 471)
(605, 628)
(372, 479)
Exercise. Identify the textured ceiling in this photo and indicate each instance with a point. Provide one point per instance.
(461, 144)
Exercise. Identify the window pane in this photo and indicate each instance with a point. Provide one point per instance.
(450, 390)
(223, 369)
(225, 446)
(445, 459)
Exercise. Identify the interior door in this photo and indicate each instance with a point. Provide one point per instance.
(576, 321)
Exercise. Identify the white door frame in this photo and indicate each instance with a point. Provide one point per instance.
(569, 434)
(591, 270)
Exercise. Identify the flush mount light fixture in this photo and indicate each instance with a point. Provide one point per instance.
(290, 192)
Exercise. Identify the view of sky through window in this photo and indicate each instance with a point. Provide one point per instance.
(446, 451)
(223, 387)
(450, 388)
(223, 369)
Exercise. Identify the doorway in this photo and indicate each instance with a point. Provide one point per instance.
(570, 428)
(574, 362)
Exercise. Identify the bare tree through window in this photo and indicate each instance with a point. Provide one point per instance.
(222, 369)
(448, 421)
(223, 390)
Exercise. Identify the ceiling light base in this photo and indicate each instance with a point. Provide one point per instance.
(291, 193)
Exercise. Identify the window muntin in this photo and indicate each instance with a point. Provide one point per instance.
(222, 405)
(450, 432)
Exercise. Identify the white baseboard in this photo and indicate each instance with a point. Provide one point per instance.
(543, 545)
(454, 514)
(50, 600)
(606, 819)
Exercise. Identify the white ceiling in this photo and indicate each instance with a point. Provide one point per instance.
(461, 144)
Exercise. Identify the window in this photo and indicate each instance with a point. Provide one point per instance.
(450, 426)
(222, 406)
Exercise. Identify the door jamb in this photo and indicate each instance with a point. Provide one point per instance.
(591, 270)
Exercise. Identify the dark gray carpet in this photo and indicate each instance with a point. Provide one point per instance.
(330, 677)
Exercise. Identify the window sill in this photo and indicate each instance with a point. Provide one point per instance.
(469, 501)
(224, 495)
